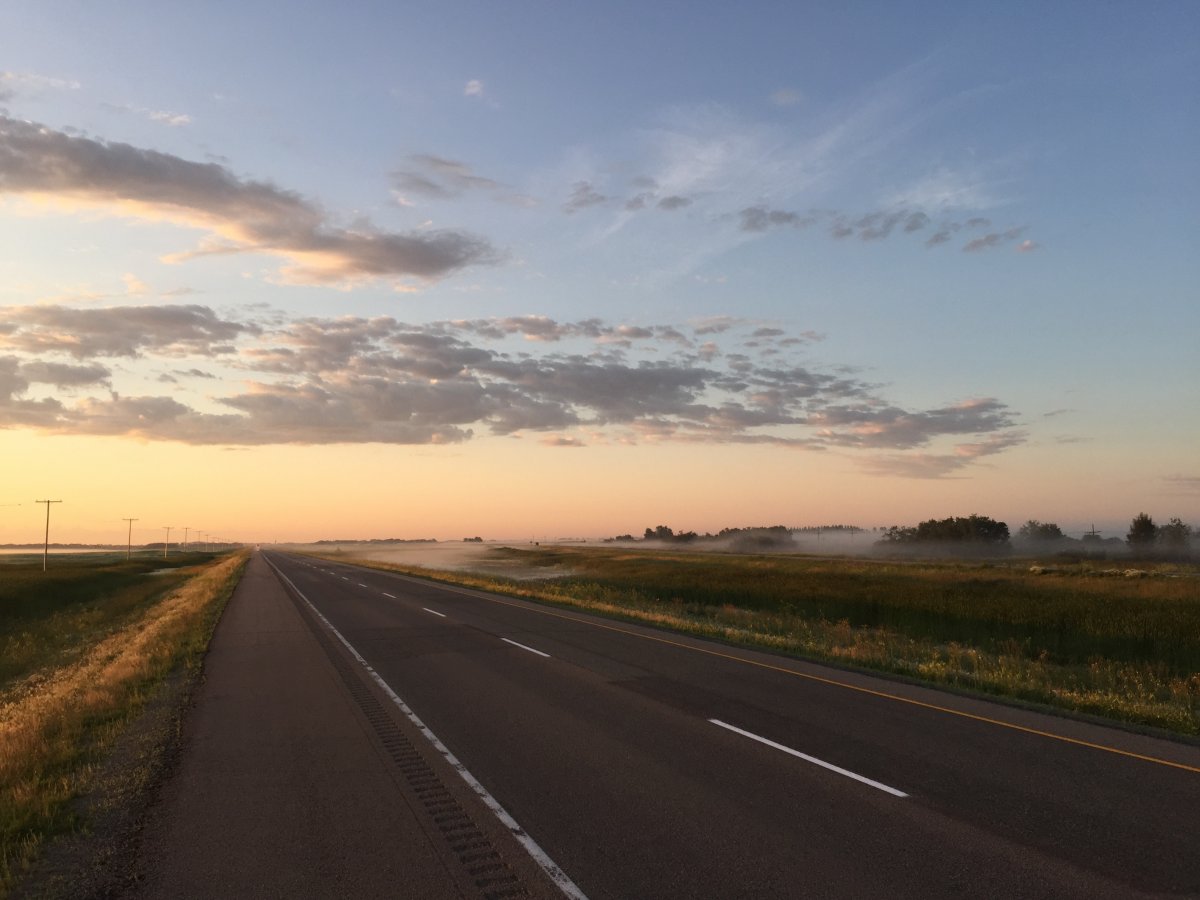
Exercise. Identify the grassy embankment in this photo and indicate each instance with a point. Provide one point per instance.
(1079, 637)
(83, 648)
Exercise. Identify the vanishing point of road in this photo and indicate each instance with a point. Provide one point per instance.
(361, 733)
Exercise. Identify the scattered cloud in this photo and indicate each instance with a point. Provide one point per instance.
(354, 380)
(1028, 246)
(474, 88)
(582, 196)
(878, 225)
(241, 216)
(129, 331)
(674, 202)
(436, 177)
(992, 240)
(559, 440)
(941, 465)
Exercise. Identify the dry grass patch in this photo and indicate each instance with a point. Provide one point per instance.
(56, 726)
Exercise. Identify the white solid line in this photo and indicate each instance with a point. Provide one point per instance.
(360, 584)
(434, 611)
(523, 647)
(812, 759)
(560, 878)
(386, 594)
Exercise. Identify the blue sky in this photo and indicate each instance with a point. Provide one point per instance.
(940, 255)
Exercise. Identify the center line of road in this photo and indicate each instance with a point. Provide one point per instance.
(820, 679)
(523, 647)
(360, 584)
(386, 594)
(812, 759)
(434, 611)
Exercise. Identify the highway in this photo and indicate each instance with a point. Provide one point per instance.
(609, 760)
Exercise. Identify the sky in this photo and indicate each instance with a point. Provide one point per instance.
(537, 270)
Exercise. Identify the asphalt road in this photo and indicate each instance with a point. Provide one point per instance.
(647, 765)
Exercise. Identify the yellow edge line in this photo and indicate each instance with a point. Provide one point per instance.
(481, 595)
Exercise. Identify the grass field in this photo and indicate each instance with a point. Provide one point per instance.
(83, 648)
(1121, 644)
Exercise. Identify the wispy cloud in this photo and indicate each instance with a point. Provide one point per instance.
(473, 88)
(582, 196)
(436, 177)
(991, 240)
(242, 216)
(13, 83)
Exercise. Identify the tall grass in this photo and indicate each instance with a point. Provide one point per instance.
(1124, 646)
(57, 722)
(48, 617)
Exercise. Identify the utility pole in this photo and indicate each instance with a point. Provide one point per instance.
(129, 541)
(167, 542)
(186, 529)
(46, 547)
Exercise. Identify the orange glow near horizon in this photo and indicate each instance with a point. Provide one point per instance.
(504, 488)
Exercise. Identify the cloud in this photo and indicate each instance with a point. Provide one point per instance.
(62, 375)
(760, 218)
(439, 177)
(12, 83)
(162, 116)
(582, 196)
(354, 380)
(871, 426)
(241, 216)
(941, 465)
(1028, 246)
(473, 88)
(559, 440)
(674, 202)
(991, 240)
(128, 331)
(879, 225)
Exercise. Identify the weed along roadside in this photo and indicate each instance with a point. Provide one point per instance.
(86, 660)
(1079, 638)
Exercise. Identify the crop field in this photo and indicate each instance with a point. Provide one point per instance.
(1122, 644)
(83, 648)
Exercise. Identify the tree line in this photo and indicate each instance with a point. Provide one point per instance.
(974, 534)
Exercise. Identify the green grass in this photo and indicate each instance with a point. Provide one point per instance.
(95, 641)
(1078, 637)
(47, 618)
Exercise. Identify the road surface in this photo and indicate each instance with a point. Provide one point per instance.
(587, 757)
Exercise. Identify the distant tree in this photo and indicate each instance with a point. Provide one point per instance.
(973, 529)
(1033, 530)
(970, 533)
(1142, 533)
(1175, 535)
(660, 533)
